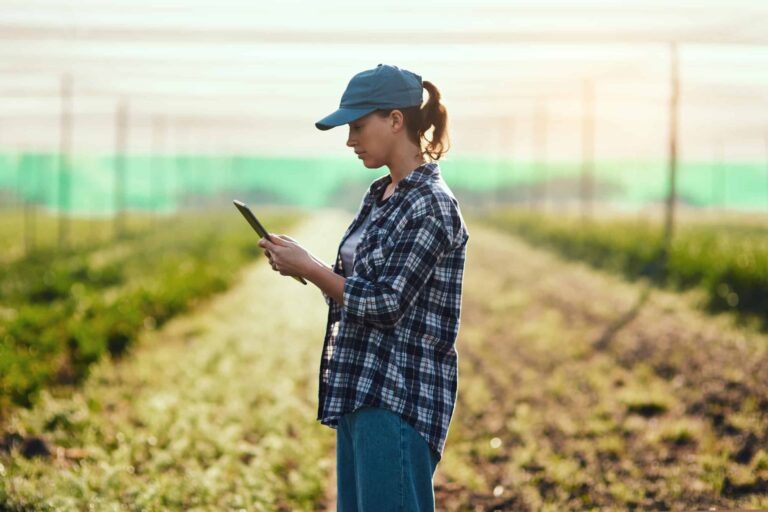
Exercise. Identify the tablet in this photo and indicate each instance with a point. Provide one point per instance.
(256, 225)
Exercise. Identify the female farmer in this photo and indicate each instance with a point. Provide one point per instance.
(388, 372)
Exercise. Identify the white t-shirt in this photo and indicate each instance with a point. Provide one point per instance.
(350, 244)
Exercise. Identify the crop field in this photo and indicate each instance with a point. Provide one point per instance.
(578, 390)
(725, 258)
(38, 230)
(62, 311)
(610, 162)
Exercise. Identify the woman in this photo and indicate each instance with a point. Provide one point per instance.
(388, 373)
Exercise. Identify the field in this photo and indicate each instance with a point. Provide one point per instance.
(578, 390)
(42, 235)
(725, 258)
(63, 310)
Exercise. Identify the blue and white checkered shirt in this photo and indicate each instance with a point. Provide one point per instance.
(392, 342)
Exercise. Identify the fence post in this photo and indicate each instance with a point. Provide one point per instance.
(157, 164)
(587, 150)
(510, 152)
(27, 203)
(721, 184)
(119, 181)
(65, 147)
(541, 154)
(672, 178)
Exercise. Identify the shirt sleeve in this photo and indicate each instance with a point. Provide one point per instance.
(382, 302)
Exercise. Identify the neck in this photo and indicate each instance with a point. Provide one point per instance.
(404, 162)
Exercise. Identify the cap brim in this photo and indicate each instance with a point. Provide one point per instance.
(342, 116)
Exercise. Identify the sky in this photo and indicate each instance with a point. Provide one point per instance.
(254, 76)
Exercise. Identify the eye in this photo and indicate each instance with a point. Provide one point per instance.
(357, 127)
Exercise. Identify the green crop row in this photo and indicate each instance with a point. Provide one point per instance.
(23, 234)
(729, 261)
(60, 313)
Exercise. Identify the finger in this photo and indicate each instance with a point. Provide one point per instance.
(267, 245)
(280, 240)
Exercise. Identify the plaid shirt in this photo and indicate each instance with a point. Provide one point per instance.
(392, 343)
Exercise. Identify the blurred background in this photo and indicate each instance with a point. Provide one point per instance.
(117, 106)
(630, 135)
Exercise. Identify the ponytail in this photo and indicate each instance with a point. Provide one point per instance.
(434, 114)
(420, 119)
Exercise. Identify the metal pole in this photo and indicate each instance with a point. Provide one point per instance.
(673, 113)
(26, 202)
(181, 163)
(232, 169)
(766, 168)
(29, 228)
(17, 160)
(175, 165)
(65, 148)
(587, 150)
(498, 154)
(714, 168)
(721, 175)
(510, 148)
(121, 128)
(157, 163)
(541, 147)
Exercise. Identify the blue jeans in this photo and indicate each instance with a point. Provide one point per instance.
(382, 464)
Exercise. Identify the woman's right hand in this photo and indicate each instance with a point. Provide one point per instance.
(269, 257)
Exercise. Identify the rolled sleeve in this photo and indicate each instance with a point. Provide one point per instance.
(383, 301)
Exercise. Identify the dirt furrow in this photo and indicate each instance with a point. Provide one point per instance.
(580, 390)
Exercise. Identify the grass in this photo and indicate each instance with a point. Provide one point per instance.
(85, 233)
(216, 408)
(213, 410)
(726, 260)
(62, 312)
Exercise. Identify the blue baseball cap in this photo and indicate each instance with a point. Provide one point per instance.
(382, 87)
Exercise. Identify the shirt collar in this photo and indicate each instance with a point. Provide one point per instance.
(417, 176)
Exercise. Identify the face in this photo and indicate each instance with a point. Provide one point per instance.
(372, 138)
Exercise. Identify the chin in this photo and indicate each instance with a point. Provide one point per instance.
(372, 164)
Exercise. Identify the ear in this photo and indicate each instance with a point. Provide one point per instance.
(396, 120)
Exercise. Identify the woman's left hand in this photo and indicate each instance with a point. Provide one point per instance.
(286, 255)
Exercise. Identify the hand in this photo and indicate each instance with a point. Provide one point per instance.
(286, 255)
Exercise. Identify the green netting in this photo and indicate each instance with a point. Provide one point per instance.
(164, 183)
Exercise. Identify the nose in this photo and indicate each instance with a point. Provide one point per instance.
(350, 142)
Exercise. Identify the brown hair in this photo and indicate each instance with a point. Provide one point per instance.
(420, 118)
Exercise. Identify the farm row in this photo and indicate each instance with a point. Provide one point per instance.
(62, 312)
(727, 260)
(577, 391)
(581, 391)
